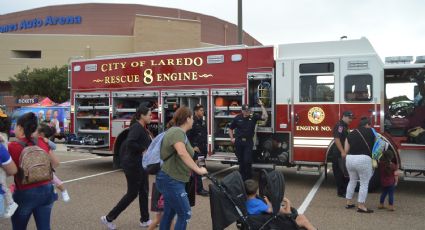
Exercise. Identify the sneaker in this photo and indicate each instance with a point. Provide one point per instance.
(65, 196)
(10, 210)
(145, 224)
(108, 224)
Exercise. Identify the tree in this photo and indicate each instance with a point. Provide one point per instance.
(46, 82)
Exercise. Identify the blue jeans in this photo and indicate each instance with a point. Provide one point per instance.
(390, 191)
(37, 201)
(175, 202)
(2, 205)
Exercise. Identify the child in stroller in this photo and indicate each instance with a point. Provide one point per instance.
(228, 203)
(256, 206)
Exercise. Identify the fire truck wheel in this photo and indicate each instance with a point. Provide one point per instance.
(375, 182)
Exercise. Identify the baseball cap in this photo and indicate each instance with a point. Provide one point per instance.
(2, 114)
(245, 107)
(348, 113)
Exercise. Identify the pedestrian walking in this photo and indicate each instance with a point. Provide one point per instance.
(131, 150)
(198, 137)
(33, 198)
(358, 156)
(177, 154)
(340, 133)
(46, 132)
(241, 132)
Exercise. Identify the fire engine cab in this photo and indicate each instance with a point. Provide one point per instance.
(305, 88)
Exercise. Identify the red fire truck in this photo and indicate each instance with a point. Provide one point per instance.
(305, 88)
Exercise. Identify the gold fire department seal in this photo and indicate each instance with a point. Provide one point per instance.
(316, 115)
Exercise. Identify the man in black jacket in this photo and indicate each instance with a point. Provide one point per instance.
(198, 137)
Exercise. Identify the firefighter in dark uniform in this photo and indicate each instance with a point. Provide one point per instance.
(198, 137)
(244, 127)
(340, 133)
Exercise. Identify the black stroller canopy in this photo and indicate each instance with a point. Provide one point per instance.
(272, 185)
(227, 200)
(228, 197)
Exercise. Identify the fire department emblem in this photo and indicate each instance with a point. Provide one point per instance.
(316, 115)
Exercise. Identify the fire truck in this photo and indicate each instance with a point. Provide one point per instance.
(305, 88)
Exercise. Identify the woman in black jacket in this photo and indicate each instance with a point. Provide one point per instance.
(358, 156)
(131, 150)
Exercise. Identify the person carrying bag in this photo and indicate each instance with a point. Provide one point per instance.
(359, 163)
(176, 169)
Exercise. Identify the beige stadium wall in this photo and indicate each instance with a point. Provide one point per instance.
(56, 50)
(152, 33)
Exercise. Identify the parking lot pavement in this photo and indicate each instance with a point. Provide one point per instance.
(95, 187)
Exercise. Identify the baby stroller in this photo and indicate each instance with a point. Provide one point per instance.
(228, 197)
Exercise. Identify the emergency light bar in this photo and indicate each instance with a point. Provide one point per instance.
(420, 59)
(399, 59)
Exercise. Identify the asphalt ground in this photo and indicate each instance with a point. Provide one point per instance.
(95, 187)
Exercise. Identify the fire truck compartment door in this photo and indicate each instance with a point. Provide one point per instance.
(118, 126)
(227, 92)
(184, 93)
(315, 107)
(135, 94)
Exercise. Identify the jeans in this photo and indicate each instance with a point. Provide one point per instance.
(137, 185)
(35, 201)
(2, 205)
(390, 191)
(175, 202)
(243, 151)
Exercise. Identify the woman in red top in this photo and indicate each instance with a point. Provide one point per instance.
(389, 179)
(36, 198)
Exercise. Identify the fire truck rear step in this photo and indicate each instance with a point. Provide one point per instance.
(412, 160)
(307, 168)
(414, 176)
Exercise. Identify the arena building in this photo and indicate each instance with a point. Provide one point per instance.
(52, 36)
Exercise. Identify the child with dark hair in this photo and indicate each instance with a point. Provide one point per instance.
(389, 179)
(46, 132)
(256, 206)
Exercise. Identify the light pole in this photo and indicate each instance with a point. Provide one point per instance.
(240, 39)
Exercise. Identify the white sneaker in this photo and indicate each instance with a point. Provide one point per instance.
(108, 224)
(145, 224)
(10, 210)
(65, 196)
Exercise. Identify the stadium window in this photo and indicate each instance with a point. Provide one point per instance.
(33, 54)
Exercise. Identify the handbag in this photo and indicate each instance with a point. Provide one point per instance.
(374, 162)
(191, 190)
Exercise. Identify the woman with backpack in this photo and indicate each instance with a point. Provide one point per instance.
(177, 154)
(358, 156)
(34, 196)
(131, 151)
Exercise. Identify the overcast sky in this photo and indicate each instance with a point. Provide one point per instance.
(394, 27)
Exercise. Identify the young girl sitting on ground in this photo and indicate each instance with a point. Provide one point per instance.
(46, 132)
(256, 206)
(389, 179)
